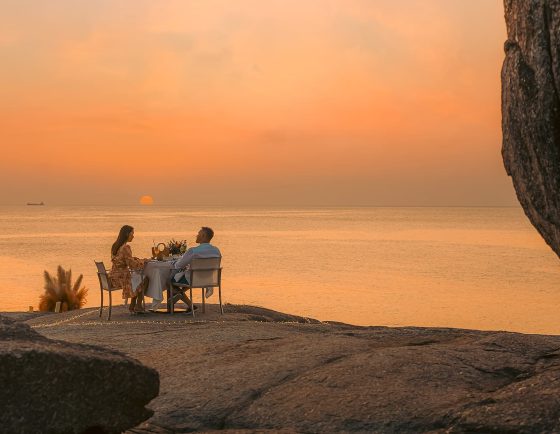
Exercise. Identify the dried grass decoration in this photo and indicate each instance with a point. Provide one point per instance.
(60, 288)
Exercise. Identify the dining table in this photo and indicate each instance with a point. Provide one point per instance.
(158, 273)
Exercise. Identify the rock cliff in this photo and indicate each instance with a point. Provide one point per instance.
(531, 111)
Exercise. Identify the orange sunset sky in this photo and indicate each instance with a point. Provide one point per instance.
(252, 102)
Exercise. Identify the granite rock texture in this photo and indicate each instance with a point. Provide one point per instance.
(531, 111)
(59, 387)
(287, 374)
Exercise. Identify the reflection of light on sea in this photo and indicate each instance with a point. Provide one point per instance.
(462, 267)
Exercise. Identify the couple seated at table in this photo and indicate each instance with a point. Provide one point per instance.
(123, 262)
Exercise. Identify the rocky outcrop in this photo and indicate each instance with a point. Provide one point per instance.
(531, 111)
(285, 373)
(59, 387)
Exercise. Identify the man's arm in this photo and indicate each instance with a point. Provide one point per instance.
(184, 260)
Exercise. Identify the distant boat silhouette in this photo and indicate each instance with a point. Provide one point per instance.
(34, 203)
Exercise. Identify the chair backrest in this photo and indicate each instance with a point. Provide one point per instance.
(205, 272)
(102, 274)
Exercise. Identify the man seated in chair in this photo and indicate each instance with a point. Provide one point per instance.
(203, 250)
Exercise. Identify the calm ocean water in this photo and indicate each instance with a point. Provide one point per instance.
(483, 268)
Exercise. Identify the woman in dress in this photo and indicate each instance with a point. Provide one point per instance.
(123, 263)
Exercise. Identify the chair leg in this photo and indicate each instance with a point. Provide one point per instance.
(220, 295)
(192, 302)
(126, 301)
(170, 301)
(168, 293)
(110, 305)
(203, 300)
(101, 305)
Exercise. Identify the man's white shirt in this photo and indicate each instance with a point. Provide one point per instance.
(203, 250)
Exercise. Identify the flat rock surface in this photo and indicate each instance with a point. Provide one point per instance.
(256, 370)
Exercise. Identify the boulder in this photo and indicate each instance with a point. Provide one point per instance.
(52, 386)
(531, 111)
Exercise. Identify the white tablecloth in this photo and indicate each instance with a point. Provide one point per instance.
(158, 272)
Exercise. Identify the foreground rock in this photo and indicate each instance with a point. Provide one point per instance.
(255, 369)
(531, 111)
(57, 387)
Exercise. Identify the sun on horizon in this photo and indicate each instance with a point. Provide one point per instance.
(146, 200)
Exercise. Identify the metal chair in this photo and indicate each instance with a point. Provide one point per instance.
(203, 273)
(105, 285)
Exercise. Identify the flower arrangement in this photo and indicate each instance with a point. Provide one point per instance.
(177, 247)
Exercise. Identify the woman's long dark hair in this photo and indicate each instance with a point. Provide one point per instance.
(124, 233)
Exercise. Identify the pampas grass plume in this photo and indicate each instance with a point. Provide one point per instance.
(60, 288)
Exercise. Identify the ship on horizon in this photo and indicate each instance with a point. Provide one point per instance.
(36, 203)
